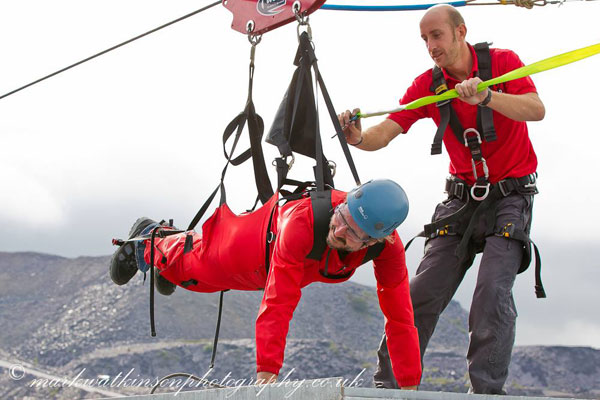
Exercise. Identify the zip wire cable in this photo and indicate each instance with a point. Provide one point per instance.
(413, 7)
(111, 49)
(404, 7)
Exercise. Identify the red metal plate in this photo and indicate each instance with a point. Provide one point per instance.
(266, 15)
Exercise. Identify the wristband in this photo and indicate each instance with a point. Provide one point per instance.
(357, 143)
(487, 99)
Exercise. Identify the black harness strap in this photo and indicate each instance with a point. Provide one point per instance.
(336, 123)
(485, 115)
(373, 252)
(263, 183)
(296, 124)
(458, 224)
(322, 212)
(217, 329)
(485, 121)
(510, 232)
(447, 114)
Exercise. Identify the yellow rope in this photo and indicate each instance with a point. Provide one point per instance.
(540, 66)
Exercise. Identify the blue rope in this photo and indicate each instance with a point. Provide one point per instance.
(410, 7)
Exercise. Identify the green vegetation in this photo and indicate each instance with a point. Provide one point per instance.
(360, 303)
(516, 385)
(367, 365)
(458, 324)
(193, 341)
(333, 347)
(167, 355)
(207, 348)
(439, 381)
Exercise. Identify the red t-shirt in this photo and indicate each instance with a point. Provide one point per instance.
(511, 155)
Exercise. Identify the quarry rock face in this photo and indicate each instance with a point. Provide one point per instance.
(66, 318)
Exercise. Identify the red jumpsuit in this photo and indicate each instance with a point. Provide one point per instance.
(230, 254)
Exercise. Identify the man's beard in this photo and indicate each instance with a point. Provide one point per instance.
(337, 245)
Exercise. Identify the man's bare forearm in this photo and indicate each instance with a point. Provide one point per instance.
(379, 136)
(523, 107)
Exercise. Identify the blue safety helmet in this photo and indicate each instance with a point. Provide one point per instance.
(378, 207)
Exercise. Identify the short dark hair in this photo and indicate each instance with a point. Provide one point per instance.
(454, 17)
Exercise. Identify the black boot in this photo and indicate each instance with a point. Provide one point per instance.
(162, 285)
(123, 265)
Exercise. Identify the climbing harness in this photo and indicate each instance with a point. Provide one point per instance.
(485, 122)
(464, 221)
(471, 137)
(295, 129)
(481, 199)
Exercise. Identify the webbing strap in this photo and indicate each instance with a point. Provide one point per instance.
(431, 229)
(204, 207)
(336, 123)
(373, 252)
(448, 116)
(307, 59)
(485, 115)
(488, 207)
(152, 253)
(439, 86)
(217, 329)
(270, 237)
(296, 125)
(322, 212)
(524, 238)
(540, 293)
(255, 131)
(420, 234)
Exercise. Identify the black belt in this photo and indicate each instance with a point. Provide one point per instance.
(525, 185)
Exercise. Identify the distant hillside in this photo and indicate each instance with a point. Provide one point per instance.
(65, 315)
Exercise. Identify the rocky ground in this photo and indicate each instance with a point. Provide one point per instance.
(64, 316)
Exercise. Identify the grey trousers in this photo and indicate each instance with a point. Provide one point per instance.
(493, 313)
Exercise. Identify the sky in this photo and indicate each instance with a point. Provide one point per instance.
(138, 131)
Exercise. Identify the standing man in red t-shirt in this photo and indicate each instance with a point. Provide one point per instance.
(490, 192)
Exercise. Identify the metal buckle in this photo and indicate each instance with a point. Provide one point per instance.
(503, 190)
(485, 193)
(532, 181)
(469, 130)
(459, 190)
(454, 188)
(270, 237)
(443, 103)
(332, 167)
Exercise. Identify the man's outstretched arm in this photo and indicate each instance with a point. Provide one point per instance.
(374, 138)
(518, 107)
